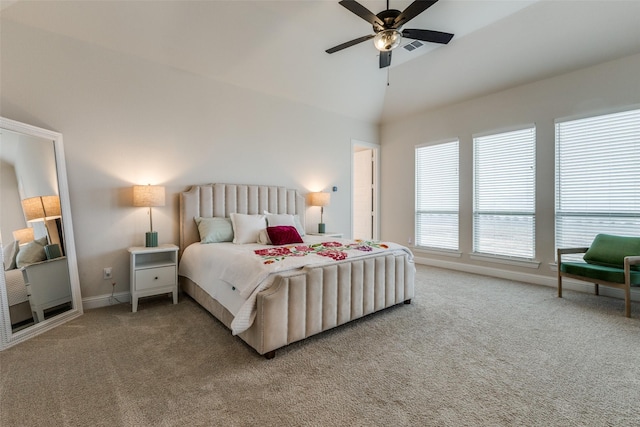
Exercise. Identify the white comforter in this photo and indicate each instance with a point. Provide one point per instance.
(247, 273)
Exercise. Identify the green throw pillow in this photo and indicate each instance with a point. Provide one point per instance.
(214, 230)
(610, 250)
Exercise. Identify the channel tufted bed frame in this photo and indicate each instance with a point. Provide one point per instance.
(304, 302)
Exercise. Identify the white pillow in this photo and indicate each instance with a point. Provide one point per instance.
(246, 228)
(299, 227)
(263, 237)
(274, 220)
(32, 252)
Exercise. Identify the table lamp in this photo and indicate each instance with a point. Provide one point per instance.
(320, 199)
(149, 196)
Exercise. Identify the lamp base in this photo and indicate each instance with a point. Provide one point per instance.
(151, 239)
(52, 251)
(321, 228)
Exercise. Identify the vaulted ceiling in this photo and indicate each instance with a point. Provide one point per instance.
(278, 47)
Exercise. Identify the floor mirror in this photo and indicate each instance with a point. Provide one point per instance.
(39, 284)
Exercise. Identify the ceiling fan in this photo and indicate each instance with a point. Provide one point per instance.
(387, 26)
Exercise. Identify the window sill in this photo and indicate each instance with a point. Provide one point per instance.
(434, 251)
(505, 260)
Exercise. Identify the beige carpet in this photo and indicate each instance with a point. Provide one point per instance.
(469, 351)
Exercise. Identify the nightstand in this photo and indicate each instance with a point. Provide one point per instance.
(328, 234)
(153, 271)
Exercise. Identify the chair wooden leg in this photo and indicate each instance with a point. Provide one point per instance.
(559, 285)
(597, 289)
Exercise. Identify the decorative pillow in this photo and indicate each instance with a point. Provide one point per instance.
(214, 230)
(246, 228)
(9, 254)
(274, 220)
(609, 251)
(284, 235)
(32, 252)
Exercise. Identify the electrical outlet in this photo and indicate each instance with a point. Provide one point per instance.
(409, 240)
(106, 273)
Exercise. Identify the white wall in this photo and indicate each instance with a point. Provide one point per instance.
(590, 90)
(128, 121)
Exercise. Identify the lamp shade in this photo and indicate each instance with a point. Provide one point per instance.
(24, 235)
(51, 206)
(40, 208)
(148, 195)
(33, 209)
(319, 199)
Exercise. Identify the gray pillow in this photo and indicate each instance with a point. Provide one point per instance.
(32, 252)
(9, 254)
(214, 230)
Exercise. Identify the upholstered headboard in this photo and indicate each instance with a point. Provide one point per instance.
(220, 200)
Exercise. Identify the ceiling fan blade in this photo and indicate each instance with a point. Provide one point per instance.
(350, 43)
(385, 59)
(413, 10)
(362, 12)
(428, 35)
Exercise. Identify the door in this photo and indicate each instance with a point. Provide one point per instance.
(364, 192)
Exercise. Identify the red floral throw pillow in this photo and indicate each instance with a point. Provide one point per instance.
(283, 235)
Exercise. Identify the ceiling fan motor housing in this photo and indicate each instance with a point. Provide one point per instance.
(386, 16)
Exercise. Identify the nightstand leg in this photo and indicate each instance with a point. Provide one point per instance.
(175, 297)
(134, 304)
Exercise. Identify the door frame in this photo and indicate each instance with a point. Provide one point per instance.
(355, 144)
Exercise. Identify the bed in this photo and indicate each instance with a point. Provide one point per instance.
(19, 307)
(343, 281)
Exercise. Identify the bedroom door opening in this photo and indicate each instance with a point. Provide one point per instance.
(365, 190)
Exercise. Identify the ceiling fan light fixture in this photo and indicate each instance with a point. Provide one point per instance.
(387, 40)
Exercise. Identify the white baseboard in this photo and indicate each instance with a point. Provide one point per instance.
(105, 300)
(536, 279)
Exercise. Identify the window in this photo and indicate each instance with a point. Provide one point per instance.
(504, 194)
(597, 177)
(437, 196)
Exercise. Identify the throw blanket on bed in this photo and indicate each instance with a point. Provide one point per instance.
(334, 250)
(250, 268)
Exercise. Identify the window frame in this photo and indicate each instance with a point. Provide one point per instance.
(418, 240)
(527, 256)
(571, 239)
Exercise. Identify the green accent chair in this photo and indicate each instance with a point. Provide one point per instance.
(609, 261)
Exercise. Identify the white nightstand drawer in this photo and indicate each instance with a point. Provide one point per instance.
(155, 277)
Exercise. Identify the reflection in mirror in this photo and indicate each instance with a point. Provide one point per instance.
(39, 285)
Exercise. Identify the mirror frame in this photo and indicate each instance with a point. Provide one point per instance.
(7, 337)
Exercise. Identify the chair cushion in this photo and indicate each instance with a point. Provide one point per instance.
(601, 272)
(609, 251)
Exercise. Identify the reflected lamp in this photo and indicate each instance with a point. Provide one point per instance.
(23, 236)
(41, 208)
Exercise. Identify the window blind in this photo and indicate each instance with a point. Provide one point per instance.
(504, 194)
(437, 196)
(597, 177)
